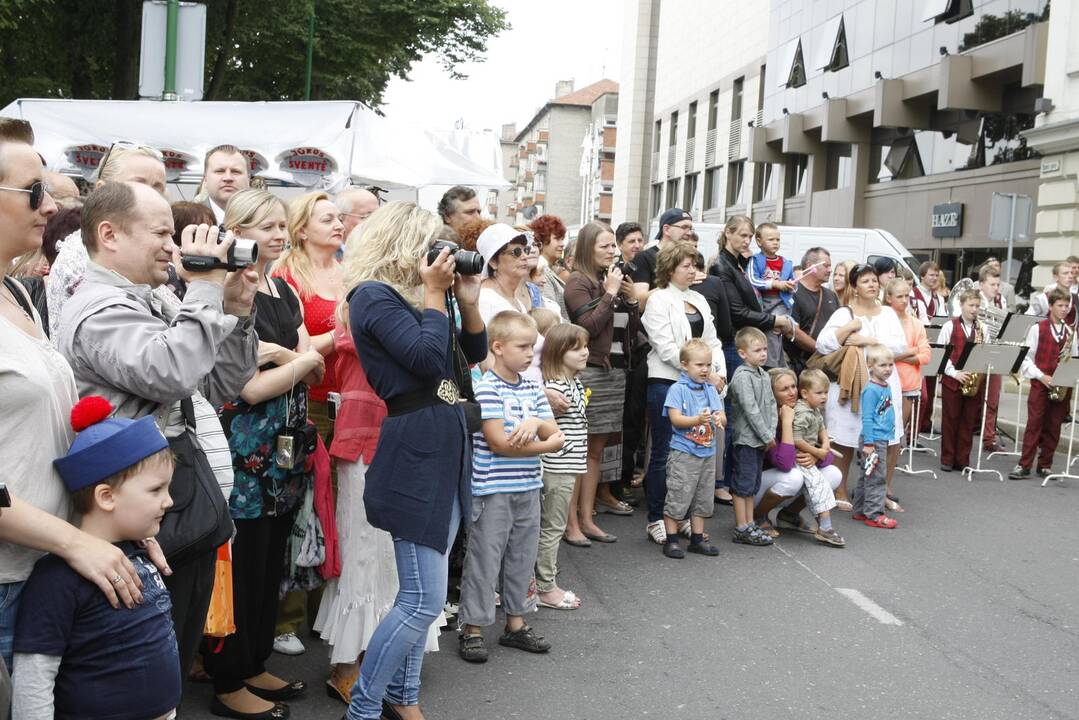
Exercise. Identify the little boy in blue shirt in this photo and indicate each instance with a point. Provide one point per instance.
(518, 427)
(878, 429)
(75, 655)
(696, 411)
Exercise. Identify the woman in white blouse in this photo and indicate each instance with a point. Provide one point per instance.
(673, 316)
(862, 323)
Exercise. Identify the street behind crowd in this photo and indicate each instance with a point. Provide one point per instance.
(969, 609)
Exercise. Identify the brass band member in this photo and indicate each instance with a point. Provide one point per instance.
(961, 411)
(1050, 344)
(993, 312)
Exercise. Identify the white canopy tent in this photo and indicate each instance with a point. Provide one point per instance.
(325, 145)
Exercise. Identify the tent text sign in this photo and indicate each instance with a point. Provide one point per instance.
(307, 165)
(85, 158)
(176, 163)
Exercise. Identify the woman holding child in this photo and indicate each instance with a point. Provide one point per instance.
(599, 298)
(862, 323)
(404, 334)
(674, 315)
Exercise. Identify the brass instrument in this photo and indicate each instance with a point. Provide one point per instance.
(974, 380)
(1057, 392)
(992, 318)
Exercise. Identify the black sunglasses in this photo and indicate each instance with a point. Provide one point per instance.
(37, 192)
(518, 251)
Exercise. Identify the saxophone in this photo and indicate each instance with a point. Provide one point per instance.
(1057, 392)
(974, 380)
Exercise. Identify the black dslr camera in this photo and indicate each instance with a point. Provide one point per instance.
(468, 262)
(241, 254)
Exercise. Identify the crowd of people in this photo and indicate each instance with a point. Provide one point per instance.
(355, 434)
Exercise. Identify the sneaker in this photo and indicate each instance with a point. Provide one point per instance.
(472, 648)
(288, 644)
(674, 550)
(657, 533)
(1045, 472)
(760, 533)
(751, 536)
(829, 537)
(1020, 473)
(703, 548)
(525, 639)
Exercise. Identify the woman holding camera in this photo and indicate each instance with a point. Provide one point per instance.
(600, 299)
(416, 359)
(269, 416)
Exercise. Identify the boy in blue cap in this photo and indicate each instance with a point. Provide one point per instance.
(76, 656)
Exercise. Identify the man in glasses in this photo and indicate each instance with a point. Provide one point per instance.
(145, 356)
(674, 225)
(224, 175)
(356, 205)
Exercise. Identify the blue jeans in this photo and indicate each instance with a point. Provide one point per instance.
(391, 665)
(655, 480)
(9, 608)
(733, 359)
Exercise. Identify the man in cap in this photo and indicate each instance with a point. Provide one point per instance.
(674, 225)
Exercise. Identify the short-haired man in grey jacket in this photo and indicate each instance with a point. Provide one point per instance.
(145, 357)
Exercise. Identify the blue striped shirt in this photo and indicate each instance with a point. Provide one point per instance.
(512, 403)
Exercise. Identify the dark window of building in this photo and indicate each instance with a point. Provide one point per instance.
(657, 199)
(736, 191)
(674, 129)
(948, 11)
(796, 175)
(672, 193)
(736, 98)
(712, 188)
(797, 76)
(839, 58)
(689, 193)
(764, 182)
(838, 170)
(713, 109)
(760, 88)
(657, 136)
(691, 121)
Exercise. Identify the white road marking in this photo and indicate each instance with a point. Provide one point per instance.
(855, 596)
(876, 611)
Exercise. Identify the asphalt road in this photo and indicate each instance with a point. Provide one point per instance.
(970, 609)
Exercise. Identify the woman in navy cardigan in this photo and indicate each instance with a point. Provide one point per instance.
(422, 470)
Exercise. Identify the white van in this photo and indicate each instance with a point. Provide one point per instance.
(857, 244)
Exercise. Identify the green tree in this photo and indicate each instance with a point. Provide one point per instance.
(254, 51)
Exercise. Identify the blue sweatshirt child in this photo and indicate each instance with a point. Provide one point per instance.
(878, 414)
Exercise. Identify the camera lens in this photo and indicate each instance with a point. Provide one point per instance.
(468, 262)
(242, 253)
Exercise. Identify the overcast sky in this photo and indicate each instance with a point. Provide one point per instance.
(549, 41)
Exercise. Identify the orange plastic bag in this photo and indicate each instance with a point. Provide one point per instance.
(220, 618)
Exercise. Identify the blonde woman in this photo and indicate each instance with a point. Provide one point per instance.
(403, 330)
(265, 497)
(123, 162)
(311, 268)
(839, 281)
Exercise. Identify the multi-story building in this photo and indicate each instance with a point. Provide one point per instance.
(879, 113)
(562, 162)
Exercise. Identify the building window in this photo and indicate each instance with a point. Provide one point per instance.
(691, 121)
(674, 129)
(713, 187)
(792, 65)
(672, 193)
(657, 136)
(765, 180)
(736, 191)
(713, 109)
(832, 54)
(736, 98)
(689, 193)
(947, 11)
(760, 88)
(838, 170)
(657, 199)
(796, 175)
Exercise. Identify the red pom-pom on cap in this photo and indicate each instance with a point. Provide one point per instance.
(91, 410)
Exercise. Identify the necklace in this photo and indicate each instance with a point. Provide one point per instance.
(11, 299)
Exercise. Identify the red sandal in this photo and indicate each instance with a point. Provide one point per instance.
(881, 521)
(859, 517)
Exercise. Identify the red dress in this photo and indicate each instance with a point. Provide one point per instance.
(360, 416)
(319, 317)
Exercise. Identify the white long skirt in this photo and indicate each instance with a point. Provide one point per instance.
(354, 603)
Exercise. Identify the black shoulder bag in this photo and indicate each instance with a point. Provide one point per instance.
(198, 521)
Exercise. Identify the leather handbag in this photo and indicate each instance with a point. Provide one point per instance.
(198, 522)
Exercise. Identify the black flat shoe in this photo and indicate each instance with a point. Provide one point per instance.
(283, 693)
(947, 468)
(220, 709)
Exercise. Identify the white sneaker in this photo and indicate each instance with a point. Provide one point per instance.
(656, 532)
(288, 644)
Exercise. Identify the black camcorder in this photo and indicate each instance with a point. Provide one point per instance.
(241, 254)
(467, 262)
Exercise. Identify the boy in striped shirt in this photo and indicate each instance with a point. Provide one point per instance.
(518, 427)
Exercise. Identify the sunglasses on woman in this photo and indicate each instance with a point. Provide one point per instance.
(519, 251)
(37, 192)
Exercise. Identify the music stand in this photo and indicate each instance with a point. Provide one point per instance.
(989, 359)
(1068, 374)
(938, 358)
(1015, 327)
(936, 322)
